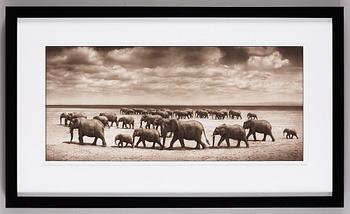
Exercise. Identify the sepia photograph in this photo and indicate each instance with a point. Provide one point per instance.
(174, 103)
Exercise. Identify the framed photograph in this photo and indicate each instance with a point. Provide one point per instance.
(174, 107)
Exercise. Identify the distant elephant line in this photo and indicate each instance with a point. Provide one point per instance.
(179, 130)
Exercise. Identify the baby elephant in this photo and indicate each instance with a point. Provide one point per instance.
(260, 126)
(123, 138)
(290, 133)
(150, 135)
(228, 132)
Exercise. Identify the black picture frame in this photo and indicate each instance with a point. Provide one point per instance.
(335, 200)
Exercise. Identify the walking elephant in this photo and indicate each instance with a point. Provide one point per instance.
(149, 120)
(73, 115)
(150, 135)
(103, 119)
(163, 114)
(111, 116)
(188, 130)
(123, 138)
(218, 115)
(88, 127)
(234, 114)
(128, 120)
(260, 126)
(252, 116)
(227, 132)
(63, 116)
(202, 114)
(290, 133)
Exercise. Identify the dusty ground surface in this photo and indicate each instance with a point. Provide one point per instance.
(59, 148)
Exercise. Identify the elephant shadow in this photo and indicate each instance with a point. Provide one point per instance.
(77, 143)
(181, 148)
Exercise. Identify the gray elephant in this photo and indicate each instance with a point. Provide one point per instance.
(149, 119)
(290, 133)
(123, 138)
(227, 132)
(260, 126)
(63, 116)
(163, 114)
(234, 114)
(111, 116)
(188, 130)
(252, 116)
(140, 111)
(128, 120)
(182, 114)
(150, 135)
(73, 115)
(218, 115)
(88, 127)
(103, 119)
(170, 112)
(202, 114)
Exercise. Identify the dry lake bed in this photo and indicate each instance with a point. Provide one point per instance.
(58, 147)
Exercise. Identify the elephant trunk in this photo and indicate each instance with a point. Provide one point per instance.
(60, 120)
(133, 139)
(213, 141)
(141, 124)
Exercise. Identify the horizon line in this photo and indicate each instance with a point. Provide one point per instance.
(68, 105)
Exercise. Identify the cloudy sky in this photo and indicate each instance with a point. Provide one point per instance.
(174, 75)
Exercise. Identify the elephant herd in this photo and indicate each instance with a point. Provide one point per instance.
(163, 123)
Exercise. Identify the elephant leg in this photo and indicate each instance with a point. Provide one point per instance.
(238, 144)
(273, 139)
(103, 141)
(264, 139)
(247, 144)
(249, 133)
(160, 144)
(138, 142)
(144, 143)
(199, 142)
(296, 136)
(95, 141)
(182, 142)
(220, 141)
(228, 142)
(172, 142)
(254, 135)
(154, 145)
(81, 139)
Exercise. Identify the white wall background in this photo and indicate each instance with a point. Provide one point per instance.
(247, 3)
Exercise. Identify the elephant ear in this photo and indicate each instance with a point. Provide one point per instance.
(174, 124)
(222, 131)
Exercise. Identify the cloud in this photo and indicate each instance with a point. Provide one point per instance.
(273, 60)
(160, 75)
(76, 56)
(152, 57)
